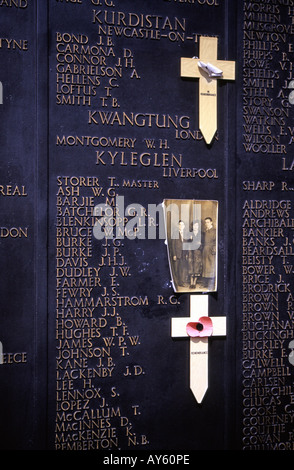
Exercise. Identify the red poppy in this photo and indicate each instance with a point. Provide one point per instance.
(202, 328)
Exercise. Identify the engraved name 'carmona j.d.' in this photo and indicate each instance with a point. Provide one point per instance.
(208, 69)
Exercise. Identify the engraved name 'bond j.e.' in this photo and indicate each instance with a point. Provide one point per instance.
(199, 327)
(208, 69)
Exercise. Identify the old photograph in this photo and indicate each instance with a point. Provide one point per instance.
(191, 229)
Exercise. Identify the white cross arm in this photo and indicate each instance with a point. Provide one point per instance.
(178, 326)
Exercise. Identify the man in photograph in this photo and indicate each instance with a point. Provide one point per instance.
(179, 254)
(209, 253)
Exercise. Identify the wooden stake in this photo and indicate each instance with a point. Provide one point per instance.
(207, 84)
(198, 345)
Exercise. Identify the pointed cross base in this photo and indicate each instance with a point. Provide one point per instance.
(198, 344)
(207, 84)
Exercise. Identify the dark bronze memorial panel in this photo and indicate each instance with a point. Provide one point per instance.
(146, 235)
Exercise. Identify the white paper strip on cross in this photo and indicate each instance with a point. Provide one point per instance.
(207, 84)
(198, 345)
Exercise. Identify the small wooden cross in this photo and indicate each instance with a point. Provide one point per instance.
(207, 84)
(198, 344)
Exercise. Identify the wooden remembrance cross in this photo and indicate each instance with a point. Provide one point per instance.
(194, 327)
(191, 68)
